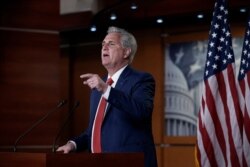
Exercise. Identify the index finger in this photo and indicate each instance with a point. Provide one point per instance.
(88, 75)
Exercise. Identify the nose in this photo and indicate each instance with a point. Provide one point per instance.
(104, 46)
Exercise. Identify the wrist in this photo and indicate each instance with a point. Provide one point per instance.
(71, 145)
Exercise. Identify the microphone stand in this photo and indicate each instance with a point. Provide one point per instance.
(64, 125)
(60, 104)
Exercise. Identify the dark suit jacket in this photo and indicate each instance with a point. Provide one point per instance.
(127, 126)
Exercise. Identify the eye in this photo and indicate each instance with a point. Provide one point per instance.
(111, 43)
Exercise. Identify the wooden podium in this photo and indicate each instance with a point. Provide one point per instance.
(21, 159)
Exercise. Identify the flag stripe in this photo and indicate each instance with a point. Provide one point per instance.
(224, 93)
(215, 118)
(207, 144)
(202, 156)
(232, 111)
(247, 126)
(244, 90)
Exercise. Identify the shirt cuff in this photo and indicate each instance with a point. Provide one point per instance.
(106, 94)
(74, 144)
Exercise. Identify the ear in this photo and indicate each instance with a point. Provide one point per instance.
(127, 52)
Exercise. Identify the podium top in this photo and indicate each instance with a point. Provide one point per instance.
(11, 159)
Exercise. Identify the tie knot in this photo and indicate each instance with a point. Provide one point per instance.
(109, 81)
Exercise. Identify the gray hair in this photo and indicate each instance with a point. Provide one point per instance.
(127, 40)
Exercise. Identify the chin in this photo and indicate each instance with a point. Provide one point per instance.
(106, 65)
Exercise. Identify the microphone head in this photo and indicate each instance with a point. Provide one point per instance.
(61, 103)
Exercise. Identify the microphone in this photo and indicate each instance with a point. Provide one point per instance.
(64, 125)
(59, 105)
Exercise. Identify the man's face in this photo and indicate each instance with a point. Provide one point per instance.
(114, 56)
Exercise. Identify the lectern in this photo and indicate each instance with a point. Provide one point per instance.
(22, 159)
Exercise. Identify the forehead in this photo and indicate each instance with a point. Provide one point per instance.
(112, 37)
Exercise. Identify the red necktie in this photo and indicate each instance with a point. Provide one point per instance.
(98, 123)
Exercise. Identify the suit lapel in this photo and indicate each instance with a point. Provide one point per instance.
(123, 77)
(120, 83)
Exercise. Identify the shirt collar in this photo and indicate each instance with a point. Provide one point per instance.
(116, 76)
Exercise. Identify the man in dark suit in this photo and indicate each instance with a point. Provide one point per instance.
(127, 102)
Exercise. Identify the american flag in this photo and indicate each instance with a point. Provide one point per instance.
(219, 141)
(244, 95)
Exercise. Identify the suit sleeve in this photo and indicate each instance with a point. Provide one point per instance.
(82, 141)
(137, 97)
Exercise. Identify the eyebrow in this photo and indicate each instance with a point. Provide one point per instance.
(110, 42)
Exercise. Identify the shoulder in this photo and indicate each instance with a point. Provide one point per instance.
(137, 78)
(131, 72)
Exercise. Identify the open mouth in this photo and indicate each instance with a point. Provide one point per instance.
(105, 55)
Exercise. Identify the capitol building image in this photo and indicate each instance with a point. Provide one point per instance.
(179, 115)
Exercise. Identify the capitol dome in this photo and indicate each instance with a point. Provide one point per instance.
(174, 75)
(180, 119)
